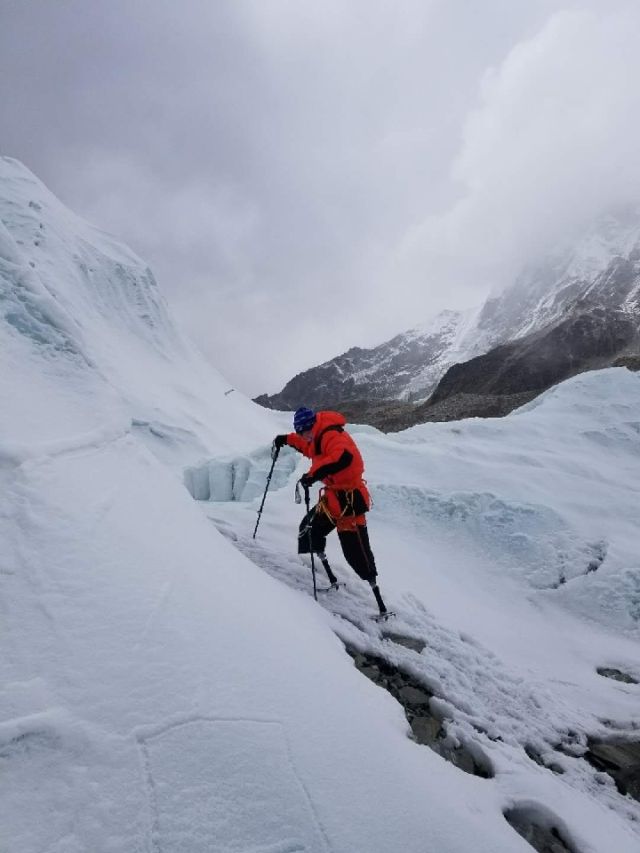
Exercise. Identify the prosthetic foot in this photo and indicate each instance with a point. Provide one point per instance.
(323, 559)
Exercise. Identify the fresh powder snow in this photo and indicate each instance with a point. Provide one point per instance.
(168, 681)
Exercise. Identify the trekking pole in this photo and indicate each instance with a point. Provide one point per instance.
(274, 455)
(313, 565)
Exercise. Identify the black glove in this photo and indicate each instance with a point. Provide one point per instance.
(306, 481)
(279, 441)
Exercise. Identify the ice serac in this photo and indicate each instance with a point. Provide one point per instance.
(158, 691)
(84, 320)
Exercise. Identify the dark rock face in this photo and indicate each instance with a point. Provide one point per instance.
(511, 375)
(426, 728)
(454, 408)
(616, 675)
(383, 415)
(631, 362)
(540, 760)
(369, 377)
(621, 760)
(536, 362)
(541, 836)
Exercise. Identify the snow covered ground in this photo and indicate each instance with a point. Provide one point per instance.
(511, 548)
(169, 683)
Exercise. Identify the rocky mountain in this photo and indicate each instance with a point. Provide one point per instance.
(404, 368)
(599, 328)
(579, 308)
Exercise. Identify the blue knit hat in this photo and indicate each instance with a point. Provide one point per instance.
(304, 419)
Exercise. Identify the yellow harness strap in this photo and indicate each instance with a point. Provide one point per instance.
(323, 506)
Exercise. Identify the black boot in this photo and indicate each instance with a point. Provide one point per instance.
(376, 592)
(323, 559)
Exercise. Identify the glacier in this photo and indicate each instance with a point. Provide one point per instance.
(169, 683)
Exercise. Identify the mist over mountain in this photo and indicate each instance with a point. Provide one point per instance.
(578, 309)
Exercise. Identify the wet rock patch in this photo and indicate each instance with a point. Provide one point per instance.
(427, 727)
(616, 674)
(538, 830)
(621, 760)
(536, 756)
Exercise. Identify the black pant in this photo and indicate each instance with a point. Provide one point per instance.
(316, 526)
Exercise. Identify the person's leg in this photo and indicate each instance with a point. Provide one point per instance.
(354, 540)
(319, 525)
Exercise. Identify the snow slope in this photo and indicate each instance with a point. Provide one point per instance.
(510, 547)
(85, 324)
(168, 684)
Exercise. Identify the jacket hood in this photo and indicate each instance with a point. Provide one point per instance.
(325, 419)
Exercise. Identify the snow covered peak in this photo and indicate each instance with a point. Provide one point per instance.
(99, 281)
(543, 291)
(614, 235)
(442, 320)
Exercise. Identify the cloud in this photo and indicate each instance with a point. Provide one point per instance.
(304, 177)
(552, 142)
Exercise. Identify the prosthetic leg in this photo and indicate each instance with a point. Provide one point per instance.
(381, 605)
(354, 539)
(333, 580)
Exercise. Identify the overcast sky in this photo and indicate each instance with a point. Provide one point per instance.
(302, 176)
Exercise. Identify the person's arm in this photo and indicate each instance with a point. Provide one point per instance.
(335, 457)
(298, 443)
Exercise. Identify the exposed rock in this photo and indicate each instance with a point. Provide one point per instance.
(631, 362)
(510, 375)
(533, 828)
(405, 367)
(616, 674)
(426, 730)
(456, 407)
(381, 414)
(426, 727)
(535, 755)
(413, 696)
(621, 760)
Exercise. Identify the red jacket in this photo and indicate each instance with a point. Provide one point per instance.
(335, 459)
